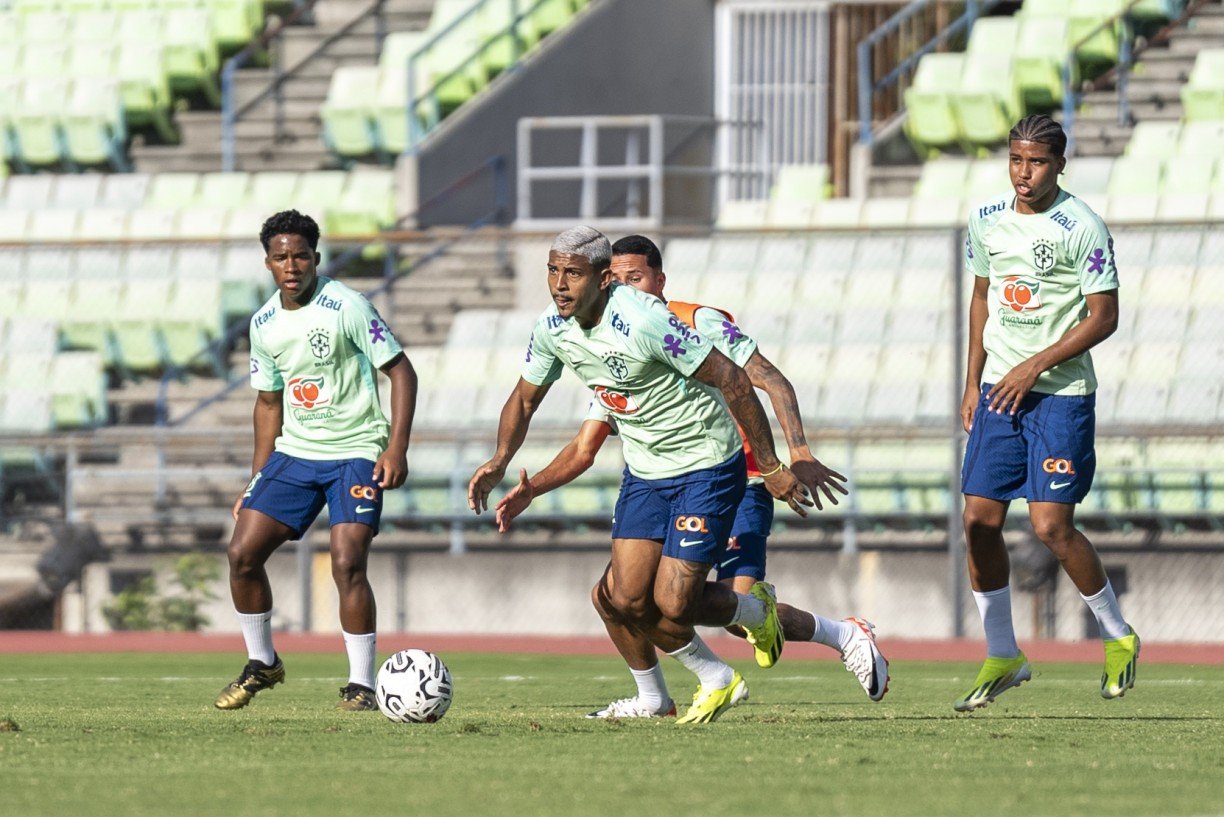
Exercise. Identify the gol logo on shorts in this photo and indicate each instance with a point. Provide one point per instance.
(363, 492)
(691, 524)
(1058, 466)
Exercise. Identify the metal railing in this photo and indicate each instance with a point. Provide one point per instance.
(869, 88)
(647, 166)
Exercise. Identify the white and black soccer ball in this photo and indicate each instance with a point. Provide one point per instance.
(414, 686)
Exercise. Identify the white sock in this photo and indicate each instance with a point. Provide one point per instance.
(1104, 605)
(835, 634)
(995, 609)
(749, 611)
(361, 656)
(700, 660)
(652, 688)
(257, 633)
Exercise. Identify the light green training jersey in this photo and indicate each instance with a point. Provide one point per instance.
(1041, 267)
(323, 356)
(639, 360)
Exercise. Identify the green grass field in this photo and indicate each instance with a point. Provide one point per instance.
(137, 734)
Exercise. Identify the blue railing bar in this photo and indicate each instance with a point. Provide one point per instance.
(413, 99)
(893, 23)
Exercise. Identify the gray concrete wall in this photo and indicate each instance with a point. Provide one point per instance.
(1170, 597)
(623, 57)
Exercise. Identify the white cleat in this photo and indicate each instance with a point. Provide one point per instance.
(863, 658)
(633, 708)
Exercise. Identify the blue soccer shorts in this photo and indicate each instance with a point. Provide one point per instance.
(690, 514)
(1043, 453)
(292, 491)
(745, 553)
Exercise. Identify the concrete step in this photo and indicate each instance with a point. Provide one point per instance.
(893, 180)
(309, 155)
(1165, 70)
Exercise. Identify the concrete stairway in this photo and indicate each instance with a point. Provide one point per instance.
(1154, 90)
(299, 145)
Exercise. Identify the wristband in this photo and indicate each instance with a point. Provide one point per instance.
(774, 471)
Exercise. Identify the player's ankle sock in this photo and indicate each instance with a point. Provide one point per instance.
(750, 611)
(652, 689)
(361, 655)
(257, 633)
(995, 609)
(700, 660)
(835, 634)
(1104, 605)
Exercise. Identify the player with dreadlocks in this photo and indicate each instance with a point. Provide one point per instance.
(1045, 292)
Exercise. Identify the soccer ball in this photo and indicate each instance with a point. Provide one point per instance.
(414, 686)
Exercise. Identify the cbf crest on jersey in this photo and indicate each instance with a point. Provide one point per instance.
(320, 343)
(1043, 255)
(617, 366)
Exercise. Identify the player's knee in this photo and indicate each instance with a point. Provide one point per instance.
(678, 609)
(1055, 534)
(348, 568)
(245, 561)
(631, 607)
(979, 524)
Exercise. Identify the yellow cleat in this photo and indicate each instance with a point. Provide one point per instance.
(766, 640)
(356, 698)
(1121, 664)
(255, 676)
(996, 677)
(709, 704)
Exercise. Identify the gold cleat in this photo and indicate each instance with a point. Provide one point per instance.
(356, 698)
(255, 676)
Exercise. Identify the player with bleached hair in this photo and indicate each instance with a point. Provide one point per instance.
(1045, 292)
(637, 262)
(685, 470)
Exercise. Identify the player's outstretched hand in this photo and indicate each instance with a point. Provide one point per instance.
(486, 478)
(1006, 395)
(515, 502)
(784, 486)
(818, 477)
(391, 470)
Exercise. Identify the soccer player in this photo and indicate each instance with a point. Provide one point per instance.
(1046, 292)
(685, 472)
(320, 437)
(636, 261)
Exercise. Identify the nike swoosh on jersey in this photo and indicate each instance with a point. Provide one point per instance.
(1054, 486)
(364, 509)
(684, 543)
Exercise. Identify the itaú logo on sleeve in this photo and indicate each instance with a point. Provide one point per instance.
(308, 392)
(1020, 294)
(615, 401)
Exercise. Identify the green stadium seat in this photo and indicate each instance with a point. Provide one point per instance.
(103, 224)
(931, 121)
(802, 183)
(137, 329)
(1039, 58)
(44, 60)
(1101, 47)
(987, 178)
(192, 59)
(1133, 208)
(93, 125)
(1189, 174)
(317, 187)
(391, 108)
(235, 22)
(10, 89)
(32, 336)
(348, 112)
(52, 225)
(36, 123)
(451, 63)
(368, 205)
(747, 214)
(145, 87)
(1203, 94)
(838, 213)
(550, 15)
(77, 190)
(149, 224)
(223, 190)
(13, 225)
(993, 35)
(44, 27)
(886, 212)
(92, 60)
(78, 390)
(942, 178)
(1202, 139)
(1182, 206)
(94, 25)
(192, 319)
(987, 102)
(202, 223)
(273, 191)
(172, 190)
(125, 190)
(683, 255)
(789, 215)
(88, 324)
(1088, 176)
(501, 47)
(27, 410)
(1135, 176)
(937, 212)
(1154, 140)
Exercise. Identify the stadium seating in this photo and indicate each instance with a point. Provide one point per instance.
(1203, 95)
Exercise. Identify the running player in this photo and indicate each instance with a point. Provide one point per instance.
(685, 474)
(1046, 292)
(320, 437)
(636, 261)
